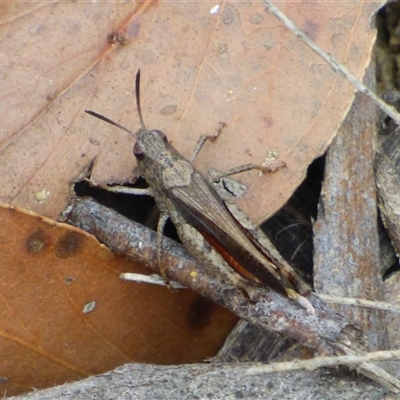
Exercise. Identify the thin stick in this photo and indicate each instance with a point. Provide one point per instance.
(152, 279)
(322, 362)
(351, 301)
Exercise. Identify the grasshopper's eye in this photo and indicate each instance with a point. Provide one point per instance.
(161, 134)
(138, 150)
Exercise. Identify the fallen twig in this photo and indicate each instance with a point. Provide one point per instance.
(325, 331)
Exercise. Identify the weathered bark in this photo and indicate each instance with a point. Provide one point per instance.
(346, 235)
(209, 381)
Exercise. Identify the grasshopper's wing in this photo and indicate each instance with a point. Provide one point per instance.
(262, 242)
(202, 207)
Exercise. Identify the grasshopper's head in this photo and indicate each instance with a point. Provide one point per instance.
(150, 144)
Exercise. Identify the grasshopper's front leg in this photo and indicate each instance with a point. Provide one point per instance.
(203, 139)
(269, 165)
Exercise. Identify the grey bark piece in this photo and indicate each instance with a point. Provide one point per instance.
(346, 236)
(247, 342)
(211, 381)
(387, 164)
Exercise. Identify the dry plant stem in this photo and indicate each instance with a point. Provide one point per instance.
(325, 331)
(336, 66)
(152, 279)
(321, 362)
(351, 301)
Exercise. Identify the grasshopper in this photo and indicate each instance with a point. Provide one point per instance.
(217, 234)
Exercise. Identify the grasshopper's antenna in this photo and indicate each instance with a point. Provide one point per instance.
(137, 90)
(103, 118)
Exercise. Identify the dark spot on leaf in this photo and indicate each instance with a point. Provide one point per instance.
(3, 379)
(222, 48)
(95, 142)
(168, 110)
(116, 37)
(228, 16)
(37, 241)
(268, 121)
(311, 29)
(200, 313)
(133, 29)
(68, 245)
(257, 19)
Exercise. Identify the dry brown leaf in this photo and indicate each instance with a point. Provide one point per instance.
(65, 314)
(200, 65)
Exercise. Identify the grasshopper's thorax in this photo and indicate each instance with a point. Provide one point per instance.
(159, 163)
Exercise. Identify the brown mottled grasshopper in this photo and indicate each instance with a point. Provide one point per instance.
(217, 234)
